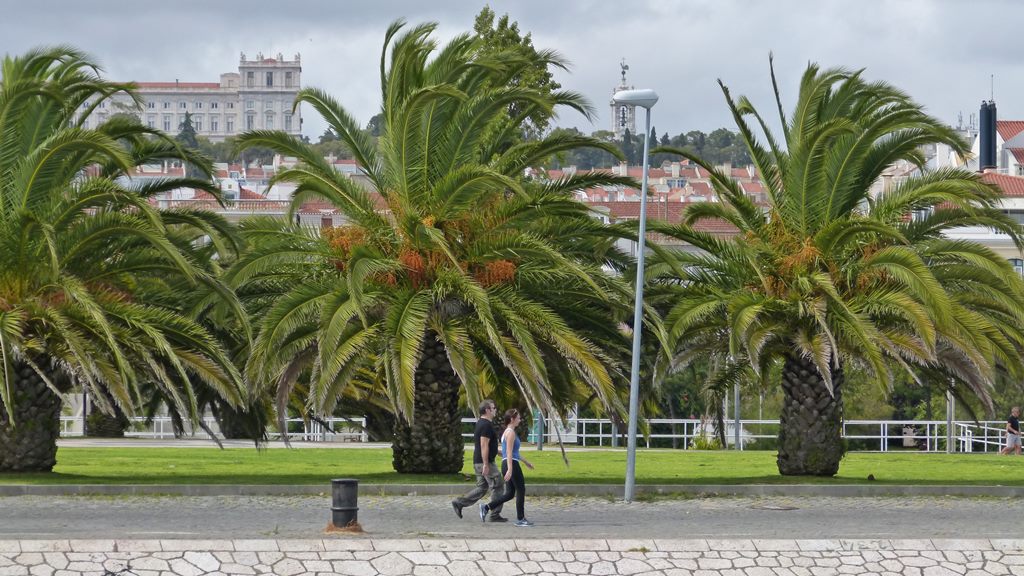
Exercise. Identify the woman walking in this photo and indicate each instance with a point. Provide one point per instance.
(511, 460)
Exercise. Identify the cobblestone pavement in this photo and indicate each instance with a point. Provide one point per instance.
(389, 517)
(459, 557)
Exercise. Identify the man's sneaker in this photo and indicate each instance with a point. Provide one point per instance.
(457, 508)
(483, 512)
(523, 523)
(497, 518)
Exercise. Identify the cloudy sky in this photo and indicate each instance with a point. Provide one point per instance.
(942, 52)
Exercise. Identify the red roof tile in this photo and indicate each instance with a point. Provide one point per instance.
(752, 187)
(1012, 186)
(1009, 128)
(630, 210)
(246, 194)
(1018, 154)
(159, 85)
(700, 188)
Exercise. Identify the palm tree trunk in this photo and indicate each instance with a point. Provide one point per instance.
(810, 431)
(30, 445)
(433, 443)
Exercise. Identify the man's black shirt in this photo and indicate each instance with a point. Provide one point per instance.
(484, 429)
(1014, 424)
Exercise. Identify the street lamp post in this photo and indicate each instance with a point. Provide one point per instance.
(646, 99)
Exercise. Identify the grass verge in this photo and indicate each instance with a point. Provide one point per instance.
(318, 466)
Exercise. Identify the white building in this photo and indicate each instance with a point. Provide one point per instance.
(257, 97)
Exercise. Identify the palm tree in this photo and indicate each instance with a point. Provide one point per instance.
(452, 273)
(79, 245)
(829, 276)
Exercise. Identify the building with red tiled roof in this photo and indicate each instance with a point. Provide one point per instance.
(1009, 148)
(259, 96)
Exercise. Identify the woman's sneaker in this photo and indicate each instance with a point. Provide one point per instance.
(523, 523)
(484, 509)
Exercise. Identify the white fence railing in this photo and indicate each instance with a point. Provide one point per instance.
(870, 435)
(863, 435)
(161, 427)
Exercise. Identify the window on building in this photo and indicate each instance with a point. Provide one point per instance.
(151, 120)
(199, 105)
(85, 124)
(214, 125)
(229, 125)
(270, 78)
(167, 105)
(151, 105)
(182, 105)
(268, 105)
(288, 122)
(197, 123)
(167, 123)
(268, 121)
(250, 121)
(288, 79)
(250, 104)
(231, 105)
(85, 105)
(1016, 215)
(103, 104)
(250, 79)
(214, 105)
(1018, 265)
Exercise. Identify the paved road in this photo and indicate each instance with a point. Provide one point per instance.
(37, 517)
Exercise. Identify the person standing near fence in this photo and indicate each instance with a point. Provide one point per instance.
(1013, 432)
(485, 446)
(511, 467)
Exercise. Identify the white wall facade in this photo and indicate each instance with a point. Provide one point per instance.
(257, 97)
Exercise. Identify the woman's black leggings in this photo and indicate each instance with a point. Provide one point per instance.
(515, 488)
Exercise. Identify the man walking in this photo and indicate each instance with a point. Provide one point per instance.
(1013, 432)
(488, 476)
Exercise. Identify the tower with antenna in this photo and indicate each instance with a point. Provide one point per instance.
(623, 115)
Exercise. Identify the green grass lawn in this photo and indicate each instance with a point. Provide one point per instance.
(318, 466)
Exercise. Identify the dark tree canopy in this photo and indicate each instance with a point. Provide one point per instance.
(501, 36)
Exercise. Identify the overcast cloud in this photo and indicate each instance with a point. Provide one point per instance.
(940, 51)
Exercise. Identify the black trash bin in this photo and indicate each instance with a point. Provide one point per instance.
(344, 502)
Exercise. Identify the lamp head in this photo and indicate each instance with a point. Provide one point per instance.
(645, 98)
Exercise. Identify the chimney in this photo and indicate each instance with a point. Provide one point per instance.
(987, 137)
(623, 168)
(675, 169)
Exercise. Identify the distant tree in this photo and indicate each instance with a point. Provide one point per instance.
(696, 139)
(187, 133)
(531, 69)
(188, 139)
(328, 136)
(628, 147)
(658, 159)
(335, 148)
(721, 139)
(126, 116)
(375, 125)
